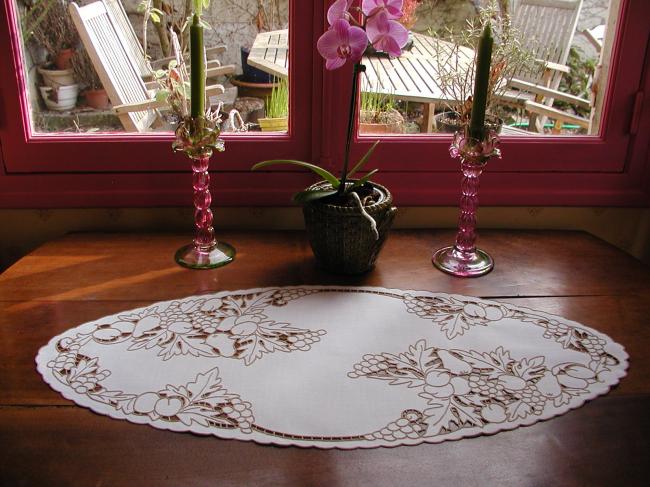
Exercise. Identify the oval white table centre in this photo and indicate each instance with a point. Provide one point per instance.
(332, 367)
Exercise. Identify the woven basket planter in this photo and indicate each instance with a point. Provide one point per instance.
(341, 238)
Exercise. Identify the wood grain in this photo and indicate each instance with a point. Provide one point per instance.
(48, 440)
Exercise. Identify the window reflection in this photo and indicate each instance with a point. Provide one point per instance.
(546, 72)
(94, 68)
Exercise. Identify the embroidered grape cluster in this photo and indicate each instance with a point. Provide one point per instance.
(531, 396)
(595, 346)
(65, 360)
(85, 383)
(410, 425)
(371, 364)
(304, 340)
(283, 296)
(240, 412)
(204, 322)
(172, 316)
(486, 388)
(423, 306)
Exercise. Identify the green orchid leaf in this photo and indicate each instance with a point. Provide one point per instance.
(154, 17)
(363, 160)
(304, 197)
(323, 173)
(365, 179)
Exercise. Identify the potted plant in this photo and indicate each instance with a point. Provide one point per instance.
(379, 114)
(277, 109)
(457, 64)
(348, 219)
(56, 32)
(94, 91)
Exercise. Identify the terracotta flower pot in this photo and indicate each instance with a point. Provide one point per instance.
(376, 128)
(97, 99)
(341, 238)
(64, 59)
(257, 90)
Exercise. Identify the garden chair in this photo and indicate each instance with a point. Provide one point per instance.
(134, 48)
(549, 26)
(133, 100)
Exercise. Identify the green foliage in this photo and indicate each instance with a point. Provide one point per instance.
(512, 56)
(277, 105)
(304, 197)
(577, 81)
(374, 102)
(145, 7)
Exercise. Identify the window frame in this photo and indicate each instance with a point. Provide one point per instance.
(32, 152)
(42, 171)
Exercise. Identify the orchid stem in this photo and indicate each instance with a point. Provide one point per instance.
(358, 68)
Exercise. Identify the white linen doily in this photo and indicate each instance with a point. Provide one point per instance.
(332, 367)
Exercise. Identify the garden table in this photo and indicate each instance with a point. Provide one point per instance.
(411, 77)
(48, 440)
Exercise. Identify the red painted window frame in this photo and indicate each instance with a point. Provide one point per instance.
(139, 170)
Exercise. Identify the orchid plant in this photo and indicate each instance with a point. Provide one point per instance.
(352, 30)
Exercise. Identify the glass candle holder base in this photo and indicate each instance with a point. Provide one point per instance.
(194, 257)
(454, 261)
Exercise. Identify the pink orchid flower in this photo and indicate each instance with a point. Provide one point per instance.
(386, 35)
(338, 10)
(340, 43)
(393, 8)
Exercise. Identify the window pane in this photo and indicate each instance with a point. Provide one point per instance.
(98, 68)
(546, 65)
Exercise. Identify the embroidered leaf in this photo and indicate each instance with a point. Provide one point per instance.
(85, 367)
(562, 399)
(466, 414)
(191, 306)
(455, 325)
(517, 409)
(529, 369)
(439, 417)
(494, 363)
(202, 383)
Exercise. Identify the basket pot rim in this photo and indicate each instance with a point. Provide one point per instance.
(384, 202)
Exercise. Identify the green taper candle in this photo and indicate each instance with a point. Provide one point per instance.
(481, 84)
(197, 75)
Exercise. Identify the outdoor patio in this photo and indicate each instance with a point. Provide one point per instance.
(408, 90)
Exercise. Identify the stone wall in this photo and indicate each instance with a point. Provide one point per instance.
(233, 24)
(234, 21)
(437, 14)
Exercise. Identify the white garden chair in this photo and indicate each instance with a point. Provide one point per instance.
(549, 27)
(134, 48)
(133, 100)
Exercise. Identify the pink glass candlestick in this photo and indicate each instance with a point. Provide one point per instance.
(205, 252)
(464, 259)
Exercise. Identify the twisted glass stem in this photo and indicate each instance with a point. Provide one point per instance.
(204, 239)
(466, 237)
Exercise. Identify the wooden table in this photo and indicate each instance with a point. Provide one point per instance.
(414, 76)
(46, 440)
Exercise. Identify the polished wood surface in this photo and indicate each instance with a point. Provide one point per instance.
(46, 440)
